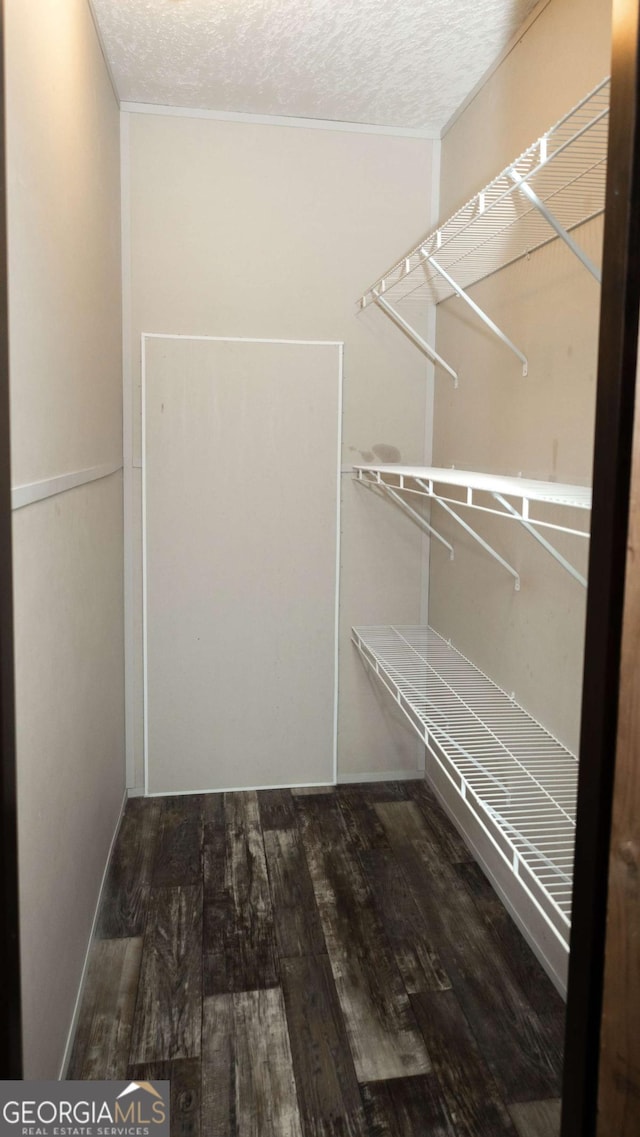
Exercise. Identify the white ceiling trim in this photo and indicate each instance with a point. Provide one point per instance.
(426, 132)
(506, 51)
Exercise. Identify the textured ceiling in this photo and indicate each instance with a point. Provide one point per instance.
(404, 63)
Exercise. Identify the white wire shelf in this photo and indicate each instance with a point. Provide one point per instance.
(524, 489)
(517, 780)
(564, 170)
(488, 493)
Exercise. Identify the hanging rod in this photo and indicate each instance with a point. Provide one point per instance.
(477, 309)
(417, 338)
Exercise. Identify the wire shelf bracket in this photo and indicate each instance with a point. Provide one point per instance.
(422, 480)
(571, 569)
(416, 338)
(476, 537)
(514, 778)
(459, 291)
(387, 491)
(525, 188)
(554, 187)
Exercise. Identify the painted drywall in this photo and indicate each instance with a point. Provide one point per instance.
(239, 610)
(251, 230)
(65, 343)
(530, 642)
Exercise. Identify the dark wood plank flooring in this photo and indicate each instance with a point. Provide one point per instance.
(317, 964)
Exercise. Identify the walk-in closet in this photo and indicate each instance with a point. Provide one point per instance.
(304, 311)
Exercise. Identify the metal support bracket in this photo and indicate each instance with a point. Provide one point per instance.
(422, 522)
(540, 539)
(478, 310)
(549, 217)
(417, 339)
(472, 533)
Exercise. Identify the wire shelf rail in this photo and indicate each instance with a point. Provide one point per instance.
(566, 171)
(487, 493)
(555, 186)
(516, 779)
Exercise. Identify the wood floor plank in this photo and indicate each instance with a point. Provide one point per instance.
(297, 921)
(363, 825)
(404, 923)
(178, 859)
(439, 827)
(184, 1076)
(502, 930)
(312, 791)
(103, 1035)
(277, 809)
(218, 1068)
(213, 819)
(471, 1098)
(537, 1118)
(384, 1039)
(168, 1016)
(185, 1098)
(239, 933)
(328, 1094)
(520, 1047)
(371, 792)
(405, 1107)
(126, 892)
(266, 1098)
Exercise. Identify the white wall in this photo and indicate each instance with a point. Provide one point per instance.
(239, 229)
(542, 426)
(65, 369)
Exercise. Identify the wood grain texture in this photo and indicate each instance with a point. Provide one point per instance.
(178, 859)
(168, 1016)
(371, 792)
(277, 809)
(406, 1107)
(404, 924)
(381, 1027)
(266, 1098)
(502, 931)
(619, 1075)
(185, 1086)
(218, 1067)
(103, 1035)
(312, 791)
(471, 1099)
(126, 892)
(520, 1048)
(334, 919)
(239, 935)
(361, 821)
(297, 922)
(328, 1094)
(440, 829)
(537, 1118)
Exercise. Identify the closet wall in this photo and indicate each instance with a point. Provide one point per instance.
(529, 642)
(66, 416)
(251, 230)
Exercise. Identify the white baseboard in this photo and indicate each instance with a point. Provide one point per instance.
(381, 776)
(76, 1010)
(343, 779)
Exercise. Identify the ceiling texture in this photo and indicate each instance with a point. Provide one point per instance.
(393, 63)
